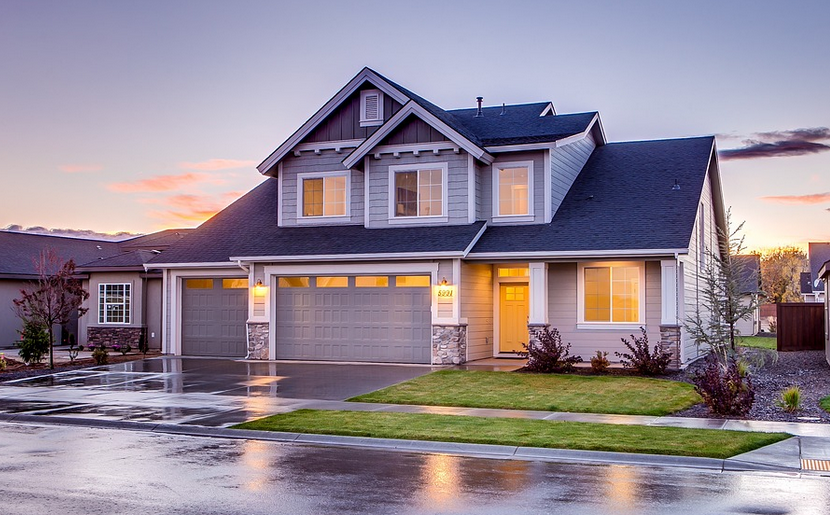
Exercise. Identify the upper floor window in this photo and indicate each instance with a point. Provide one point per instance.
(114, 303)
(371, 107)
(612, 292)
(323, 194)
(513, 189)
(418, 192)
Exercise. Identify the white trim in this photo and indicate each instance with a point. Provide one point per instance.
(161, 266)
(475, 240)
(419, 219)
(365, 74)
(416, 148)
(497, 282)
(352, 257)
(471, 189)
(280, 191)
(302, 219)
(371, 122)
(165, 314)
(548, 185)
(366, 217)
(408, 109)
(520, 147)
(581, 135)
(610, 326)
(129, 301)
(538, 293)
(580, 295)
(319, 146)
(577, 254)
(548, 109)
(668, 292)
(521, 217)
(252, 318)
(353, 269)
(174, 289)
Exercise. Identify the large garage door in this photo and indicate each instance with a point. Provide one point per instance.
(346, 318)
(214, 314)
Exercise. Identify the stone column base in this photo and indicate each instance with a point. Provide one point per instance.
(670, 341)
(449, 344)
(258, 340)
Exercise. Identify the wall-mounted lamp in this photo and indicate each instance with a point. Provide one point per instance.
(444, 281)
(259, 283)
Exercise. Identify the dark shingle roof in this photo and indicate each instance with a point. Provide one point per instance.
(622, 200)
(521, 124)
(134, 259)
(805, 283)
(154, 241)
(248, 227)
(750, 269)
(18, 250)
(819, 253)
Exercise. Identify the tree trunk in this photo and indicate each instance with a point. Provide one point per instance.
(51, 345)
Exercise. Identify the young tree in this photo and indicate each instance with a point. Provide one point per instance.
(55, 296)
(781, 273)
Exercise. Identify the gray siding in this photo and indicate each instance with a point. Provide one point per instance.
(344, 122)
(327, 161)
(413, 130)
(9, 323)
(562, 309)
(136, 297)
(153, 316)
(566, 162)
(378, 173)
(538, 158)
(477, 308)
(484, 191)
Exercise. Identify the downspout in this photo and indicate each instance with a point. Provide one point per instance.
(247, 270)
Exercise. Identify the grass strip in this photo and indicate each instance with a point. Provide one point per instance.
(759, 342)
(675, 441)
(623, 395)
(825, 403)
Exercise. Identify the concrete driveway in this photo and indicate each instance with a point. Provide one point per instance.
(199, 391)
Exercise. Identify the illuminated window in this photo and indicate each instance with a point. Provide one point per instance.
(513, 189)
(293, 282)
(514, 272)
(324, 196)
(371, 281)
(113, 303)
(412, 281)
(418, 192)
(230, 284)
(332, 282)
(198, 284)
(611, 293)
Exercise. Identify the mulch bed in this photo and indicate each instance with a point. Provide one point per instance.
(17, 370)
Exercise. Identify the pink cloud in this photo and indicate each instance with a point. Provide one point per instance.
(815, 198)
(217, 164)
(80, 168)
(191, 209)
(163, 183)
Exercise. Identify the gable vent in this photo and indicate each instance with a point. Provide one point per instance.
(371, 107)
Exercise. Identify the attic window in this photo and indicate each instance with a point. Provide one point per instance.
(371, 107)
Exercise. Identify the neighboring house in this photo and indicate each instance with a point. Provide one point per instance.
(750, 286)
(812, 285)
(96, 262)
(824, 274)
(391, 230)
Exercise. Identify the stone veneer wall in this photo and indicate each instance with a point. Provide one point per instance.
(449, 344)
(258, 340)
(108, 336)
(670, 341)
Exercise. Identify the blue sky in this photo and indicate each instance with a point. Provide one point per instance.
(135, 116)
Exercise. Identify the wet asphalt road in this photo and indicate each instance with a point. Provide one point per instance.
(68, 470)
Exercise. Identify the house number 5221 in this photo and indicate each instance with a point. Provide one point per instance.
(445, 293)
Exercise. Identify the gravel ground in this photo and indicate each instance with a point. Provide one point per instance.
(806, 369)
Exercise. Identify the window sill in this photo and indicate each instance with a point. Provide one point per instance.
(610, 326)
(370, 123)
(323, 220)
(412, 220)
(508, 219)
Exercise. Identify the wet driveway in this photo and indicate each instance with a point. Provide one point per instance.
(200, 391)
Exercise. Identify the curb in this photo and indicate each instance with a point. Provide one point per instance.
(455, 449)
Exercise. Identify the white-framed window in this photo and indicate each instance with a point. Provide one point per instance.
(611, 294)
(371, 107)
(323, 194)
(417, 192)
(513, 191)
(114, 303)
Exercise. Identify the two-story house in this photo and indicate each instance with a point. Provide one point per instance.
(391, 230)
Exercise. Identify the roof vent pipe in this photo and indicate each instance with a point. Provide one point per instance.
(478, 112)
(503, 109)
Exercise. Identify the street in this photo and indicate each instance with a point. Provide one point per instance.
(68, 470)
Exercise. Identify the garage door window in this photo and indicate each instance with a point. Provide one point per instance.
(230, 284)
(113, 303)
(412, 281)
(371, 281)
(199, 284)
(332, 282)
(293, 282)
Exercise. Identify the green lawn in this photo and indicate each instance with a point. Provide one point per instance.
(546, 392)
(520, 432)
(758, 341)
(825, 404)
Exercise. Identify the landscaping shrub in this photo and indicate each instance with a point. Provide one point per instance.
(549, 355)
(100, 355)
(790, 400)
(3, 363)
(726, 388)
(34, 342)
(641, 359)
(123, 349)
(143, 346)
(599, 363)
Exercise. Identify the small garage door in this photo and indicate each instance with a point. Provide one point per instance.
(214, 314)
(383, 319)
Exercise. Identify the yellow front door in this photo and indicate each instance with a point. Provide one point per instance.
(513, 310)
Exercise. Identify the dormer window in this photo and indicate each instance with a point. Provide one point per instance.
(513, 191)
(371, 107)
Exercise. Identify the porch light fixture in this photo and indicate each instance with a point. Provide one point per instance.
(259, 283)
(444, 281)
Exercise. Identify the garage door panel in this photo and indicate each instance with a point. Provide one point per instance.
(214, 320)
(382, 324)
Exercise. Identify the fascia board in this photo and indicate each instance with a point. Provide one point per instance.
(578, 254)
(349, 257)
(162, 266)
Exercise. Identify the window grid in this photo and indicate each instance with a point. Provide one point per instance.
(324, 196)
(612, 294)
(114, 303)
(419, 192)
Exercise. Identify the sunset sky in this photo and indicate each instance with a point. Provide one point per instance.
(137, 116)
